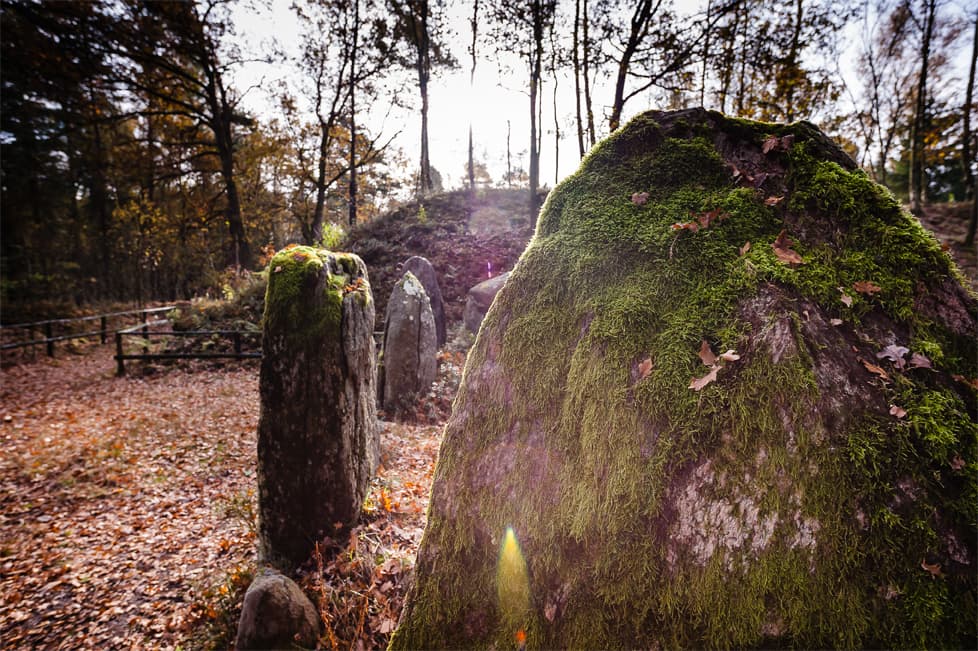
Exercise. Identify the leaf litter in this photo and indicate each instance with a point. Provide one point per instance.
(129, 504)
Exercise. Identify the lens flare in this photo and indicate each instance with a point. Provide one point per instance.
(513, 583)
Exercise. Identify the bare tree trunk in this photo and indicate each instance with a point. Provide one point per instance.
(920, 114)
(475, 30)
(966, 154)
(577, 77)
(424, 72)
(353, 116)
(535, 71)
(790, 69)
(586, 51)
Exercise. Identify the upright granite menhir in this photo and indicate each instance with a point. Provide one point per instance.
(726, 399)
(318, 437)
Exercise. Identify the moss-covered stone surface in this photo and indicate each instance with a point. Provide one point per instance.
(820, 492)
(318, 438)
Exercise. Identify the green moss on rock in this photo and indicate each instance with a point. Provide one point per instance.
(781, 505)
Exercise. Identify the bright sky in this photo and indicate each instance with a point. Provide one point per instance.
(495, 98)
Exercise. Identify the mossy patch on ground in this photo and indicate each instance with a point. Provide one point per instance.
(784, 503)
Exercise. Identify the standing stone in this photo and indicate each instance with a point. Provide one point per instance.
(479, 299)
(276, 614)
(410, 346)
(665, 438)
(424, 272)
(318, 437)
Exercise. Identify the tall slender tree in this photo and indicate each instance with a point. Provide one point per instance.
(420, 26)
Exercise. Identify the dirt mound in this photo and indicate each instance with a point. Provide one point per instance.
(466, 238)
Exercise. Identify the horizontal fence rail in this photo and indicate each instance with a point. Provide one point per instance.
(143, 331)
(47, 327)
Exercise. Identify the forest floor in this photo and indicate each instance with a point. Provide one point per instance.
(127, 508)
(127, 505)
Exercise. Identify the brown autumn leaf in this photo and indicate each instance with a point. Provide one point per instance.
(918, 360)
(873, 368)
(866, 287)
(729, 356)
(278, 269)
(845, 298)
(899, 412)
(698, 383)
(933, 568)
(963, 380)
(957, 463)
(640, 198)
(644, 368)
(783, 251)
(706, 354)
(745, 248)
(835, 322)
(773, 201)
(895, 354)
(770, 144)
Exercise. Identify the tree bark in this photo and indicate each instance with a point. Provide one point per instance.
(353, 116)
(577, 77)
(585, 52)
(424, 73)
(639, 27)
(536, 57)
(474, 23)
(967, 156)
(920, 113)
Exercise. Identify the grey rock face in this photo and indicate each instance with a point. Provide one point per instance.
(410, 346)
(318, 437)
(276, 615)
(424, 272)
(479, 299)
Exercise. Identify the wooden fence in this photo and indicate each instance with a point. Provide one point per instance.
(49, 332)
(143, 330)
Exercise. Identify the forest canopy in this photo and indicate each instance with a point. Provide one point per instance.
(135, 169)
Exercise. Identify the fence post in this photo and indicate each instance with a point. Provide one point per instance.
(49, 333)
(145, 318)
(237, 342)
(121, 363)
(105, 327)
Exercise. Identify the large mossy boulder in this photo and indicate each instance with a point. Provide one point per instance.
(666, 437)
(318, 435)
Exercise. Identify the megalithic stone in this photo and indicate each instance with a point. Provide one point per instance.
(318, 436)
(425, 273)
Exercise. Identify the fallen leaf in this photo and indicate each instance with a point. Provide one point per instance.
(945, 246)
(835, 322)
(866, 287)
(698, 383)
(644, 368)
(278, 269)
(918, 360)
(640, 198)
(745, 248)
(550, 611)
(845, 298)
(706, 354)
(773, 201)
(895, 354)
(899, 412)
(957, 463)
(729, 356)
(770, 144)
(934, 569)
(387, 626)
(873, 368)
(300, 256)
(783, 251)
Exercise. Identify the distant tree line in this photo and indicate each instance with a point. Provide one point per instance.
(130, 170)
